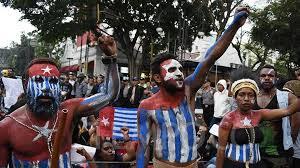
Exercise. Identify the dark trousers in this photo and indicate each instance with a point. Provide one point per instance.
(208, 113)
(294, 163)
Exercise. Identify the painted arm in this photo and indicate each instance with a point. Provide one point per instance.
(224, 130)
(294, 120)
(144, 131)
(4, 146)
(93, 104)
(279, 113)
(196, 79)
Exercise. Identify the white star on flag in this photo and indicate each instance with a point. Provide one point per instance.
(105, 121)
(246, 122)
(46, 70)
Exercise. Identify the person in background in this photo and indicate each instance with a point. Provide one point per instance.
(143, 83)
(221, 102)
(81, 86)
(66, 87)
(72, 81)
(99, 86)
(90, 86)
(277, 145)
(207, 95)
(154, 87)
(135, 93)
(123, 100)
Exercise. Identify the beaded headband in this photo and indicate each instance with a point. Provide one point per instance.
(244, 83)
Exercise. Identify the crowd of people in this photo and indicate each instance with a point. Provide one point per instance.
(246, 122)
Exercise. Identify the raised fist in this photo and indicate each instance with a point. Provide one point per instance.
(240, 15)
(107, 45)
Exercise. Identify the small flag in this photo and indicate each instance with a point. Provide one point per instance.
(106, 118)
(125, 117)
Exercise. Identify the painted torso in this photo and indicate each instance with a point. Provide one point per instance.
(175, 135)
(25, 144)
(245, 125)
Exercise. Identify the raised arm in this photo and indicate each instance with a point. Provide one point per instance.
(196, 79)
(144, 130)
(91, 105)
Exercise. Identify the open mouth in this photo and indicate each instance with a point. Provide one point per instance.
(45, 99)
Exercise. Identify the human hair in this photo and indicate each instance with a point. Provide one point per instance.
(155, 64)
(268, 66)
(39, 61)
(242, 73)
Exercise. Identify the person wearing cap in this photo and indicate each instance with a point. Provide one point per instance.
(135, 93)
(239, 132)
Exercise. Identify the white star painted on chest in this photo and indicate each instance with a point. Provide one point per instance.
(105, 121)
(246, 122)
(46, 70)
(43, 131)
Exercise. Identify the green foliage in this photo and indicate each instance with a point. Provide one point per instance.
(131, 20)
(277, 27)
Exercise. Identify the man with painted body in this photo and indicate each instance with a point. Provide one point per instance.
(279, 134)
(170, 111)
(27, 135)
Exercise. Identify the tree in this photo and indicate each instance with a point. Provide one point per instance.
(277, 27)
(220, 12)
(262, 54)
(133, 21)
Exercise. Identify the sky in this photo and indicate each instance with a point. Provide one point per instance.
(12, 27)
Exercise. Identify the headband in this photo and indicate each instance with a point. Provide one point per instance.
(244, 83)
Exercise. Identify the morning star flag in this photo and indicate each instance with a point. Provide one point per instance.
(125, 117)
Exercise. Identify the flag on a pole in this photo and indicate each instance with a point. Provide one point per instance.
(125, 117)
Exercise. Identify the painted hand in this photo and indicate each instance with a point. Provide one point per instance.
(107, 45)
(240, 16)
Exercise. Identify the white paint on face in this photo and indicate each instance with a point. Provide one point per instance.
(252, 101)
(174, 72)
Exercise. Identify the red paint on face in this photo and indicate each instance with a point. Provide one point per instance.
(163, 70)
(46, 70)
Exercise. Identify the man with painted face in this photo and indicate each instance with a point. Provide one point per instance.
(170, 112)
(27, 135)
(279, 134)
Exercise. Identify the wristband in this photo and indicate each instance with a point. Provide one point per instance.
(109, 60)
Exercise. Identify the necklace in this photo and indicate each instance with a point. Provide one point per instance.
(252, 132)
(42, 131)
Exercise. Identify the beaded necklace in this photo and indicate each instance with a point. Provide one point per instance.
(250, 140)
(41, 132)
